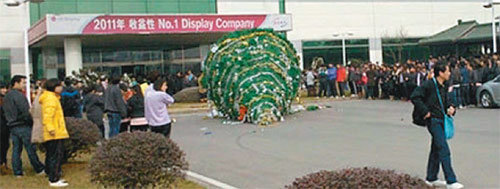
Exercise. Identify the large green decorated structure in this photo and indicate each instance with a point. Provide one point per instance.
(252, 75)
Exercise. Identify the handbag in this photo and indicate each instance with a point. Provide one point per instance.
(449, 128)
(37, 129)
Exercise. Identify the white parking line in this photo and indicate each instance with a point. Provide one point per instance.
(209, 181)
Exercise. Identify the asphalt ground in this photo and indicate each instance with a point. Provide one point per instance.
(353, 133)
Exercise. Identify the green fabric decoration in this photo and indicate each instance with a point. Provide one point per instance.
(312, 108)
(256, 69)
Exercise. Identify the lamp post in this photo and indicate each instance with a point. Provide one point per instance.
(17, 3)
(490, 4)
(343, 36)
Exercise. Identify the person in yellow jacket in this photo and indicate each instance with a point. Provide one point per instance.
(54, 131)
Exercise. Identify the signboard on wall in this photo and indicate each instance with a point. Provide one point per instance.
(74, 24)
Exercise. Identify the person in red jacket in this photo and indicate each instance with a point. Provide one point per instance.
(341, 79)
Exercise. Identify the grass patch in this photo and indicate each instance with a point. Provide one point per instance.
(75, 172)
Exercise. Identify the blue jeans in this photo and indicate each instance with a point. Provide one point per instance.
(440, 153)
(456, 97)
(20, 136)
(114, 124)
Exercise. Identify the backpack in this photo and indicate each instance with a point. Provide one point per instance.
(70, 102)
(418, 115)
(418, 118)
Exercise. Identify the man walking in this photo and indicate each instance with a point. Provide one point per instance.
(428, 105)
(17, 113)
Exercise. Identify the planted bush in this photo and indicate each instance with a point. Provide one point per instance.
(358, 178)
(138, 160)
(83, 136)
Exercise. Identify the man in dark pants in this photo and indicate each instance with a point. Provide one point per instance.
(332, 80)
(115, 106)
(17, 113)
(427, 103)
(4, 131)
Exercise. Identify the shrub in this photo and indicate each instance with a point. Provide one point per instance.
(138, 159)
(358, 178)
(83, 136)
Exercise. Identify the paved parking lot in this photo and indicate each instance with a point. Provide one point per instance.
(350, 134)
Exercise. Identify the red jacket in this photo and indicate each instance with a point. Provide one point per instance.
(341, 74)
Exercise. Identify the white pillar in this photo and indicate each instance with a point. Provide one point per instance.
(344, 61)
(72, 54)
(493, 29)
(375, 50)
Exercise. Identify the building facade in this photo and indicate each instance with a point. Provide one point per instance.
(378, 28)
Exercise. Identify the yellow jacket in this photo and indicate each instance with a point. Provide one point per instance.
(52, 117)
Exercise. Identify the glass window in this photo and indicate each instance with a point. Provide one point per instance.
(156, 55)
(192, 52)
(177, 54)
(60, 57)
(108, 56)
(391, 53)
(91, 57)
(4, 69)
(123, 56)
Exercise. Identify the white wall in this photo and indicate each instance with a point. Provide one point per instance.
(248, 6)
(13, 21)
(319, 19)
(368, 19)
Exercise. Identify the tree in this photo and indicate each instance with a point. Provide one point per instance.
(397, 43)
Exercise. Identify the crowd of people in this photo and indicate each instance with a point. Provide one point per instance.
(124, 106)
(372, 81)
(176, 82)
(141, 104)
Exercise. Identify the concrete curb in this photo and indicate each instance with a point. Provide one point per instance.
(207, 182)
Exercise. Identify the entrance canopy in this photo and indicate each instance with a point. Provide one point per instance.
(115, 30)
(134, 43)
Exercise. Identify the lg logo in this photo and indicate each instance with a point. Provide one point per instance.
(281, 22)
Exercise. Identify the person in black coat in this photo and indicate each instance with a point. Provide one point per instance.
(4, 130)
(136, 110)
(178, 82)
(94, 106)
(71, 100)
(429, 112)
(411, 83)
(20, 122)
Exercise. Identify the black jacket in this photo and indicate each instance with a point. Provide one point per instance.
(424, 99)
(3, 121)
(113, 101)
(94, 106)
(70, 102)
(17, 109)
(372, 77)
(136, 106)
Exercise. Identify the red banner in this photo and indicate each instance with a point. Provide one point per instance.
(131, 24)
